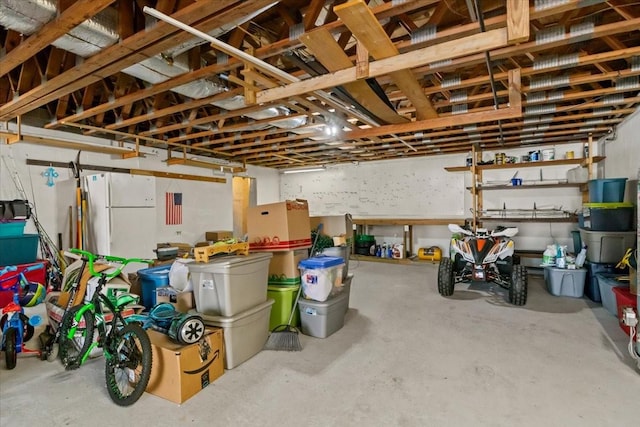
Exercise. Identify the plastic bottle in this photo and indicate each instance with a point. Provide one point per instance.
(561, 261)
(581, 257)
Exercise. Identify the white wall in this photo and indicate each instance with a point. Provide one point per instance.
(421, 188)
(206, 205)
(622, 151)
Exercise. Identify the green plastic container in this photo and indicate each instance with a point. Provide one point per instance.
(284, 281)
(284, 297)
(365, 238)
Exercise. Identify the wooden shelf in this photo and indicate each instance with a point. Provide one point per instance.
(527, 186)
(408, 221)
(403, 261)
(580, 161)
(521, 219)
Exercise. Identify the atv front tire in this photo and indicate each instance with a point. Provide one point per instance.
(518, 288)
(445, 277)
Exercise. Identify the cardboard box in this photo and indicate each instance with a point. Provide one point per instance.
(182, 301)
(283, 267)
(334, 225)
(181, 371)
(279, 226)
(214, 236)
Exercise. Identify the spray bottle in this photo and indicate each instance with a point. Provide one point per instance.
(581, 257)
(561, 260)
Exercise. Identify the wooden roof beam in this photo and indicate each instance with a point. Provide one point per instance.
(513, 111)
(327, 51)
(384, 10)
(357, 16)
(131, 51)
(186, 105)
(466, 46)
(73, 15)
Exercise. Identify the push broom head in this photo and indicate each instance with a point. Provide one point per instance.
(283, 338)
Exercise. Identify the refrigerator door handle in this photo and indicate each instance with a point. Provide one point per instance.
(110, 228)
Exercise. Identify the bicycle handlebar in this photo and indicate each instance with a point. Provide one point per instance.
(22, 280)
(91, 258)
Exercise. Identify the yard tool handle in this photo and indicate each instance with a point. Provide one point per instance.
(91, 258)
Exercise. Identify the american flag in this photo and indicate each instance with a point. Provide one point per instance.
(173, 203)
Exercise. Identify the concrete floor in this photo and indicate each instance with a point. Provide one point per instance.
(405, 357)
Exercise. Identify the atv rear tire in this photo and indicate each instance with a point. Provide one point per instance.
(518, 288)
(445, 277)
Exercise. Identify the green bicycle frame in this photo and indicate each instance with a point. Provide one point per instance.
(95, 308)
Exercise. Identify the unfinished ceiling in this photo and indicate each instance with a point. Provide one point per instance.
(298, 83)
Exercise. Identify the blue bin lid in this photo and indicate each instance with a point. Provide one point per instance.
(162, 270)
(321, 262)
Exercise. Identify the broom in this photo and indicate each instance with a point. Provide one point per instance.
(285, 337)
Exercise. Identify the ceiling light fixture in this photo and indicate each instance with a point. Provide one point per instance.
(314, 169)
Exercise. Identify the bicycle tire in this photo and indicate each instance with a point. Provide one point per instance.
(128, 368)
(10, 353)
(72, 350)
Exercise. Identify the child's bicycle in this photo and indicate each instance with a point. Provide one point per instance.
(17, 327)
(126, 346)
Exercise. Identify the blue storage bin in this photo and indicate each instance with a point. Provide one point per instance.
(12, 228)
(609, 190)
(606, 216)
(151, 279)
(592, 288)
(607, 282)
(320, 276)
(321, 262)
(19, 249)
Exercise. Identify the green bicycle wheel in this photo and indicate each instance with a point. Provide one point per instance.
(128, 367)
(73, 349)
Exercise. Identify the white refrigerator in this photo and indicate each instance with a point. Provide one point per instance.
(121, 217)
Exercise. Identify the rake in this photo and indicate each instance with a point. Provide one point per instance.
(285, 337)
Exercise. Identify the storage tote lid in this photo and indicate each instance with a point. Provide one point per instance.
(607, 205)
(239, 319)
(321, 262)
(161, 270)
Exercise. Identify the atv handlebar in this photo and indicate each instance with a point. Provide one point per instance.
(499, 231)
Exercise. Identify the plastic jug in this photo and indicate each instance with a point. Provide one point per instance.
(549, 255)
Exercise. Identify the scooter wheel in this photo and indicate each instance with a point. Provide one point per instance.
(188, 329)
(53, 354)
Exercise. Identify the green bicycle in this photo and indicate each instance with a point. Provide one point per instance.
(126, 346)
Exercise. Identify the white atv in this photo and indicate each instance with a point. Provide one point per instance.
(483, 256)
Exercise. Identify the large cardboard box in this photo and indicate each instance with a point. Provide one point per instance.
(214, 236)
(283, 267)
(279, 226)
(181, 371)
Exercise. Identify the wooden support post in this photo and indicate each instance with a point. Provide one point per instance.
(362, 61)
(517, 21)
(515, 90)
(249, 93)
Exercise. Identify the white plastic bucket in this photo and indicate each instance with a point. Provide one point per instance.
(548, 154)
